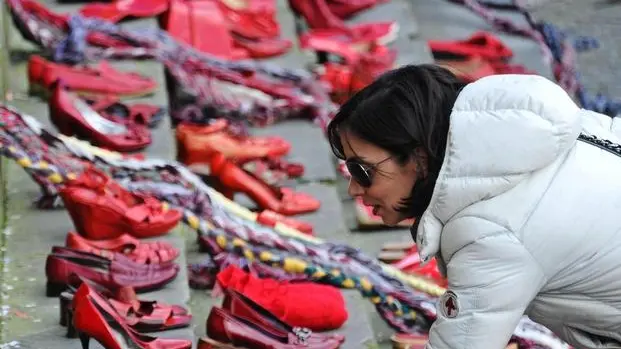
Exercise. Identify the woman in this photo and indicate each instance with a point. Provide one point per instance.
(522, 213)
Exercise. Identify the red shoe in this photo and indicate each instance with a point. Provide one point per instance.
(198, 143)
(280, 200)
(187, 21)
(62, 266)
(348, 8)
(270, 219)
(142, 316)
(321, 21)
(238, 304)
(113, 109)
(262, 48)
(102, 209)
(119, 10)
(482, 44)
(87, 80)
(73, 116)
(226, 330)
(95, 317)
(251, 19)
(408, 260)
(141, 252)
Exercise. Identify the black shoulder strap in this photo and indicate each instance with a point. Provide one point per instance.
(601, 143)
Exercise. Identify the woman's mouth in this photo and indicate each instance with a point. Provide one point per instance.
(376, 209)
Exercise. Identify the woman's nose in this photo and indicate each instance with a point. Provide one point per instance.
(355, 189)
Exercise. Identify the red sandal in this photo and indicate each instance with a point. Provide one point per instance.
(113, 109)
(142, 252)
(101, 209)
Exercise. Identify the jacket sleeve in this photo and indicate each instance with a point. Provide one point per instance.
(491, 283)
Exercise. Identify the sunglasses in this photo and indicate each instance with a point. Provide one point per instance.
(362, 173)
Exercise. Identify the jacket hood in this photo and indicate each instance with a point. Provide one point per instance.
(502, 128)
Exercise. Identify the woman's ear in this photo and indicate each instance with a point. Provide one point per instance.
(421, 163)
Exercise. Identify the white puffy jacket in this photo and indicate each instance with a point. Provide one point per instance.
(525, 218)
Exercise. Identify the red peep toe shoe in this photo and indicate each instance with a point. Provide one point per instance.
(280, 200)
(95, 317)
(101, 209)
(141, 252)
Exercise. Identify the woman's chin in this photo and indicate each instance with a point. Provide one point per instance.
(392, 219)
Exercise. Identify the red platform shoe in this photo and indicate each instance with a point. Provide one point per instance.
(73, 116)
(102, 209)
(280, 200)
(86, 80)
(141, 252)
(95, 317)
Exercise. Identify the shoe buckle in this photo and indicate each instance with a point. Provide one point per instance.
(302, 334)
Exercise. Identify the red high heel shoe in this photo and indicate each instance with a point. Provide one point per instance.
(319, 18)
(95, 317)
(228, 331)
(73, 116)
(159, 316)
(86, 80)
(280, 200)
(102, 209)
(62, 265)
(408, 260)
(141, 252)
(119, 10)
(197, 143)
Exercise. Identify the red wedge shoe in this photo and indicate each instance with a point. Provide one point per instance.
(141, 252)
(73, 116)
(102, 209)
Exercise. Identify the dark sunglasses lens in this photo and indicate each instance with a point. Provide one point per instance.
(359, 174)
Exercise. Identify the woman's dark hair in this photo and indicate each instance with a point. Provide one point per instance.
(403, 110)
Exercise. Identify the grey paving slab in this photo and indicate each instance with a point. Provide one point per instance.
(443, 20)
